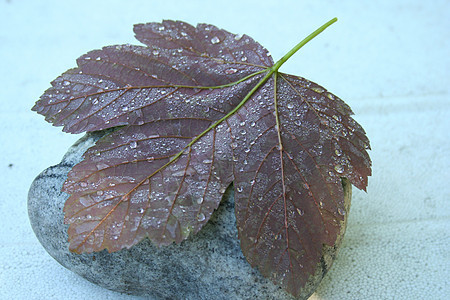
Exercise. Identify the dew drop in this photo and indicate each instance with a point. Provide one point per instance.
(155, 52)
(66, 83)
(290, 105)
(247, 150)
(341, 211)
(338, 152)
(95, 101)
(244, 58)
(99, 193)
(200, 200)
(233, 145)
(201, 217)
(83, 184)
(133, 144)
(150, 159)
(231, 71)
(87, 58)
(215, 40)
(298, 122)
(339, 168)
(98, 58)
(237, 37)
(112, 184)
(318, 89)
(239, 189)
(140, 210)
(101, 166)
(252, 124)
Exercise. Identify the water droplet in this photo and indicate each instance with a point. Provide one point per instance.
(112, 184)
(290, 105)
(199, 200)
(201, 217)
(300, 212)
(247, 150)
(133, 144)
(155, 52)
(207, 161)
(244, 58)
(233, 145)
(338, 152)
(95, 101)
(239, 189)
(231, 71)
(321, 204)
(252, 182)
(252, 124)
(298, 122)
(83, 184)
(339, 168)
(101, 166)
(237, 37)
(99, 193)
(341, 211)
(215, 40)
(140, 210)
(242, 132)
(124, 108)
(98, 58)
(67, 91)
(245, 162)
(160, 28)
(318, 89)
(66, 83)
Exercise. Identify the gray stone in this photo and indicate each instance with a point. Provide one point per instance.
(208, 265)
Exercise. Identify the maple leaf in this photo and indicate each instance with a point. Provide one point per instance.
(194, 110)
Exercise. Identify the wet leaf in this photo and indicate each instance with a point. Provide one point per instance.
(194, 110)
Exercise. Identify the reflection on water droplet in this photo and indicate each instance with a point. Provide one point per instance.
(244, 58)
(83, 184)
(99, 193)
(66, 83)
(140, 210)
(290, 105)
(215, 40)
(239, 189)
(207, 161)
(300, 212)
(318, 89)
(155, 52)
(199, 200)
(133, 144)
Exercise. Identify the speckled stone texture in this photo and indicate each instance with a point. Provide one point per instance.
(209, 265)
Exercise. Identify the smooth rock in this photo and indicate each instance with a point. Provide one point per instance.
(208, 265)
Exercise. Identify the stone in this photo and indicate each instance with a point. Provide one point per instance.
(208, 265)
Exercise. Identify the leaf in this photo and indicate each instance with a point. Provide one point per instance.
(193, 111)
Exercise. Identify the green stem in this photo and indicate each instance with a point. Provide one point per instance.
(288, 55)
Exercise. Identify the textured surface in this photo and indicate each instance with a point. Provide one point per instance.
(388, 60)
(209, 265)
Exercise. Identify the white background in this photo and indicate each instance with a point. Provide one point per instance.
(389, 60)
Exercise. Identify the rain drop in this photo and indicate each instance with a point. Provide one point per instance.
(133, 144)
(244, 58)
(140, 210)
(215, 40)
(66, 83)
(155, 52)
(239, 189)
(231, 71)
(99, 193)
(201, 217)
(199, 200)
(83, 184)
(290, 105)
(339, 168)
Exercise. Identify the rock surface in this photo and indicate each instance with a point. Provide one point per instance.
(209, 265)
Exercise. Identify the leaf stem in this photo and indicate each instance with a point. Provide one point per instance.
(288, 55)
